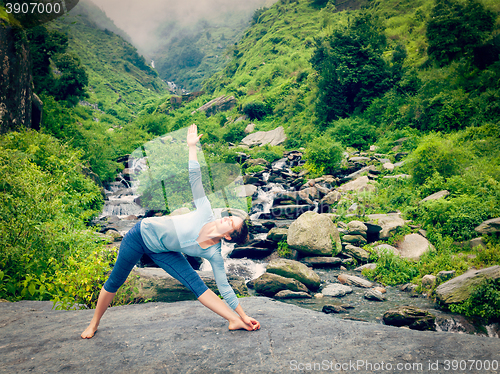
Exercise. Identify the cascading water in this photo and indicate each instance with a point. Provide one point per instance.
(122, 194)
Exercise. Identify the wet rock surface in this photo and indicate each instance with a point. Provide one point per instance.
(185, 337)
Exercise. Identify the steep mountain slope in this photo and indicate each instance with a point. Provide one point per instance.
(119, 78)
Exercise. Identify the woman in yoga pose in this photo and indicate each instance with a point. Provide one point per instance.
(164, 239)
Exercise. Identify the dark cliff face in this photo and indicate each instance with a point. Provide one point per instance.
(16, 88)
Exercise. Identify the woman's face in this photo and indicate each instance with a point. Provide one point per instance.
(228, 224)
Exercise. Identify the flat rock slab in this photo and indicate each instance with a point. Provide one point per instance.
(185, 337)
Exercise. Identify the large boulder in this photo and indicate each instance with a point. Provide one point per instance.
(273, 137)
(414, 246)
(331, 197)
(384, 224)
(489, 226)
(286, 294)
(220, 104)
(360, 184)
(460, 288)
(277, 234)
(385, 248)
(314, 234)
(336, 290)
(353, 280)
(357, 228)
(322, 261)
(416, 319)
(156, 285)
(356, 252)
(296, 270)
(269, 284)
(435, 196)
(374, 295)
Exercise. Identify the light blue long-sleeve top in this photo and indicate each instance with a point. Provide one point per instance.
(179, 234)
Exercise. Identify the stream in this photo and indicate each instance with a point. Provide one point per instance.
(122, 212)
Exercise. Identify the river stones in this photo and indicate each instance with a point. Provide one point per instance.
(287, 294)
(333, 309)
(428, 281)
(354, 239)
(357, 174)
(445, 275)
(356, 252)
(296, 270)
(331, 197)
(414, 246)
(322, 261)
(277, 234)
(488, 227)
(460, 288)
(313, 234)
(336, 290)
(370, 266)
(269, 284)
(381, 248)
(354, 280)
(374, 295)
(388, 166)
(357, 228)
(384, 224)
(414, 318)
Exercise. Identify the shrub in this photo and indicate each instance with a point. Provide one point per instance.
(234, 132)
(353, 132)
(392, 269)
(45, 202)
(269, 153)
(456, 217)
(437, 154)
(255, 110)
(324, 154)
(283, 250)
(484, 301)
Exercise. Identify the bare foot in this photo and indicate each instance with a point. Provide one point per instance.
(238, 324)
(89, 332)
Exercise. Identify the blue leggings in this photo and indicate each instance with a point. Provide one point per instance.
(132, 248)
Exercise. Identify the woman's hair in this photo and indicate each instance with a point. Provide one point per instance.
(239, 236)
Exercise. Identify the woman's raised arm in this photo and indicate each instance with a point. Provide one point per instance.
(193, 138)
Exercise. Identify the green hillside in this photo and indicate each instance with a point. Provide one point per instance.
(119, 78)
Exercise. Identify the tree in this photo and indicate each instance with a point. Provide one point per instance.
(73, 78)
(455, 29)
(352, 70)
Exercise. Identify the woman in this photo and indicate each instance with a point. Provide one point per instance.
(198, 234)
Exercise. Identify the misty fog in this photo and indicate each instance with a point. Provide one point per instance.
(141, 19)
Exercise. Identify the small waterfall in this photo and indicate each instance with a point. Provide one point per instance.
(122, 194)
